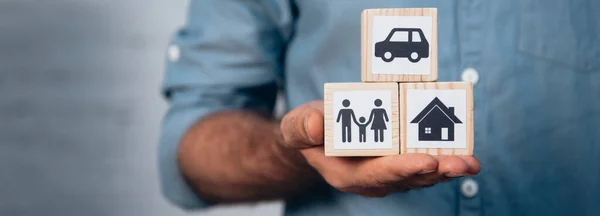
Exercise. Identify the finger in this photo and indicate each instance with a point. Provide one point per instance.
(425, 179)
(346, 173)
(452, 166)
(440, 176)
(303, 126)
(392, 169)
(473, 163)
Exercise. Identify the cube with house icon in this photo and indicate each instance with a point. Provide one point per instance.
(437, 118)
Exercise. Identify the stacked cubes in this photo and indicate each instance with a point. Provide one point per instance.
(399, 107)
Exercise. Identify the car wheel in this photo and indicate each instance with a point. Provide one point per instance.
(414, 57)
(387, 57)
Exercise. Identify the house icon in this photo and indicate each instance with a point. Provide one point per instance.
(436, 122)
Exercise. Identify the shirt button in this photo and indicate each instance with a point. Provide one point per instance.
(470, 75)
(173, 53)
(469, 188)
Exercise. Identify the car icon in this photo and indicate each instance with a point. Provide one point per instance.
(403, 43)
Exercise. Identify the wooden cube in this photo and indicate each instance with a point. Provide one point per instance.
(361, 119)
(437, 118)
(399, 45)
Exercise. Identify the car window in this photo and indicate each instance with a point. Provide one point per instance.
(399, 36)
(416, 37)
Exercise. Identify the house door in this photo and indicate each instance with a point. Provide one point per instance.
(444, 133)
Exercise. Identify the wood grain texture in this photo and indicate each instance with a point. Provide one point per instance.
(469, 117)
(330, 88)
(367, 49)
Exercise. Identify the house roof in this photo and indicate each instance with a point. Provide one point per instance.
(436, 102)
(406, 29)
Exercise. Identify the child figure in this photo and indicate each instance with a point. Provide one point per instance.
(362, 129)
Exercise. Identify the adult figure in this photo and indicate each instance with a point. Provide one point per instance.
(379, 117)
(347, 117)
(535, 78)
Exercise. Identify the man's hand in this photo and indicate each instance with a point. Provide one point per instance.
(302, 129)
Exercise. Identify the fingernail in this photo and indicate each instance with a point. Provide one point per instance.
(425, 172)
(453, 175)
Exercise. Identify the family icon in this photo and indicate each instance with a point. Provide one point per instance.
(377, 118)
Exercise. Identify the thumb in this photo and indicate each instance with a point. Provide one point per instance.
(303, 127)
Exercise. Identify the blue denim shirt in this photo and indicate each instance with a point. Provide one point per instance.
(537, 99)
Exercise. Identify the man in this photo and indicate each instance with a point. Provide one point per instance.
(346, 115)
(535, 66)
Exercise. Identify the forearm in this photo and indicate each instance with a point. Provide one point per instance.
(236, 156)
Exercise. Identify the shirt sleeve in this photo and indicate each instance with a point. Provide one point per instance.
(228, 56)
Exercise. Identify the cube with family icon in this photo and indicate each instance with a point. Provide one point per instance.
(361, 119)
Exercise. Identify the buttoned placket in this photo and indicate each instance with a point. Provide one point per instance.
(470, 18)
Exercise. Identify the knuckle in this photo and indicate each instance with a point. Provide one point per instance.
(425, 162)
(286, 123)
(289, 131)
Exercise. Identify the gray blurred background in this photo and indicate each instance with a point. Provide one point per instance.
(80, 108)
